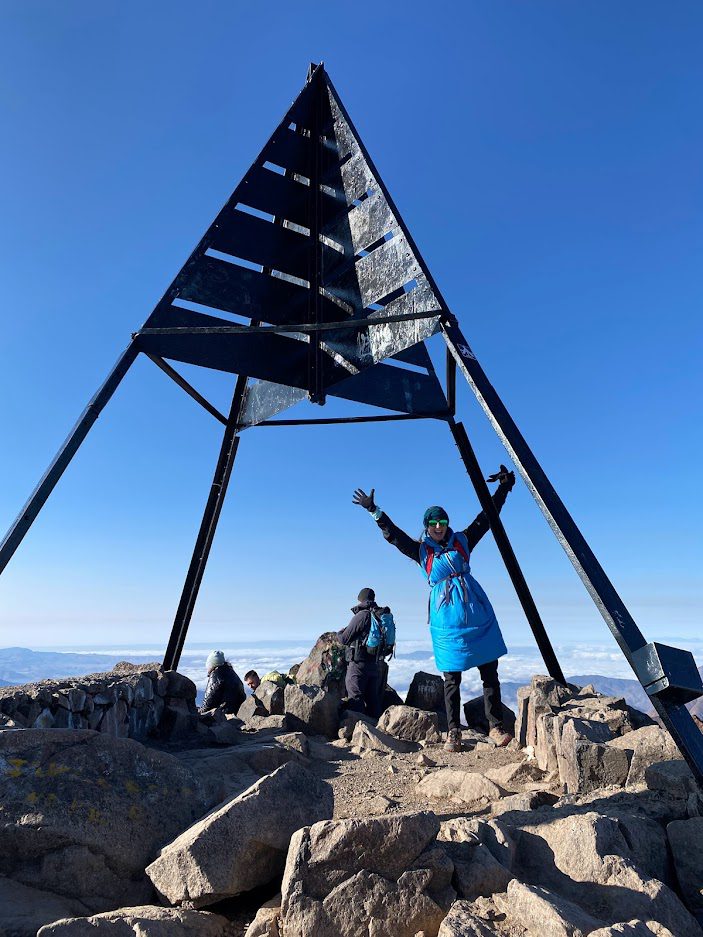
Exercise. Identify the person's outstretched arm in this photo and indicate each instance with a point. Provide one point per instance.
(393, 534)
(479, 526)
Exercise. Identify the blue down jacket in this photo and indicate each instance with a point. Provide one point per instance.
(463, 625)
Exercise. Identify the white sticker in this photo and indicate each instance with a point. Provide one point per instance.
(466, 352)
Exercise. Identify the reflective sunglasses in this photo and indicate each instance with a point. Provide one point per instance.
(437, 523)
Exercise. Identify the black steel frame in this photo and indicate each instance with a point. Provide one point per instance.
(668, 675)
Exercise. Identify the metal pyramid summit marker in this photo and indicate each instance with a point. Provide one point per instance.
(310, 249)
(309, 284)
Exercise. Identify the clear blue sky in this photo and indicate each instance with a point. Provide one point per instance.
(547, 158)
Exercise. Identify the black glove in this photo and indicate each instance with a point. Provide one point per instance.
(366, 501)
(503, 477)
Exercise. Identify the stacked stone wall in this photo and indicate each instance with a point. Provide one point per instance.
(131, 701)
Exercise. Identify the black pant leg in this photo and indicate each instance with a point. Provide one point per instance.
(372, 691)
(354, 682)
(492, 702)
(452, 699)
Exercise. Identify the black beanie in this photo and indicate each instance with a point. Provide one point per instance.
(367, 595)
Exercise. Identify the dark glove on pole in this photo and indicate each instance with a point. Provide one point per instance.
(366, 501)
(504, 477)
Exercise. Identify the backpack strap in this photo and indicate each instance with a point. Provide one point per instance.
(459, 546)
(429, 559)
(430, 554)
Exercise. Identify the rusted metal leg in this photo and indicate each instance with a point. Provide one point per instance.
(679, 680)
(469, 459)
(208, 526)
(36, 501)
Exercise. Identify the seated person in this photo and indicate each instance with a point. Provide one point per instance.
(254, 681)
(224, 688)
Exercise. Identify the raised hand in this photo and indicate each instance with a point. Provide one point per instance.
(366, 501)
(504, 477)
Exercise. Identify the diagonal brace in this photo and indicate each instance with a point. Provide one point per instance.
(63, 457)
(469, 459)
(674, 715)
(188, 388)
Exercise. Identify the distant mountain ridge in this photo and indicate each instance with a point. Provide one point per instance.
(19, 665)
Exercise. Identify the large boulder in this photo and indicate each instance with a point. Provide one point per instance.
(461, 922)
(83, 813)
(686, 840)
(458, 786)
(585, 762)
(312, 709)
(348, 720)
(567, 727)
(252, 706)
(242, 843)
(586, 858)
(476, 870)
(673, 778)
(147, 920)
(516, 776)
(325, 665)
(24, 910)
(270, 695)
(545, 913)
(367, 738)
(267, 919)
(426, 691)
(646, 746)
(410, 723)
(382, 875)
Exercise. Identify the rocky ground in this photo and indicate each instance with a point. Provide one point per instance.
(291, 821)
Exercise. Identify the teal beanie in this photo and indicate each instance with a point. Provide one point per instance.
(435, 513)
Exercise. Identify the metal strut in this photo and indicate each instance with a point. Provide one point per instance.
(28, 514)
(668, 675)
(208, 526)
(468, 457)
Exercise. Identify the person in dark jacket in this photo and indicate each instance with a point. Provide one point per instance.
(224, 688)
(363, 674)
(463, 625)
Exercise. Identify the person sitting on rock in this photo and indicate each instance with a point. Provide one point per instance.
(224, 688)
(363, 674)
(252, 680)
(463, 625)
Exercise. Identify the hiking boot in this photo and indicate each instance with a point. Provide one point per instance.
(500, 737)
(453, 743)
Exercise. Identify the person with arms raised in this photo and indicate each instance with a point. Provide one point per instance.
(463, 626)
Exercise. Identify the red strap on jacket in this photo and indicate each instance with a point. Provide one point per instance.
(456, 545)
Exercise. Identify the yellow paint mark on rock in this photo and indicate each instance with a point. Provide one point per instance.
(54, 770)
(17, 764)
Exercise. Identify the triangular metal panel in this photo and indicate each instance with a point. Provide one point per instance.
(308, 238)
